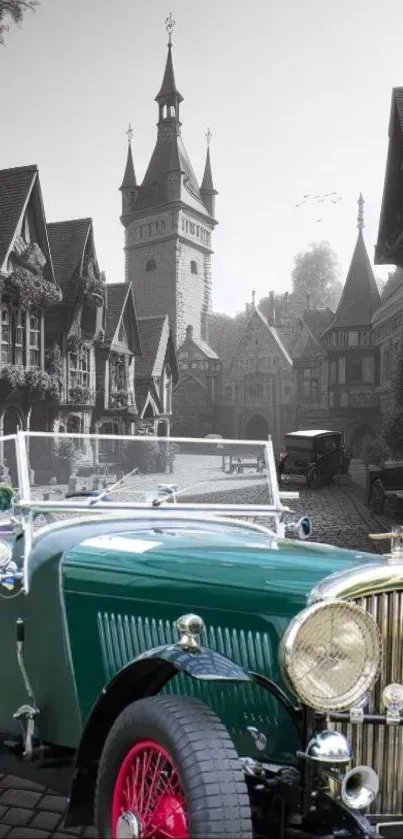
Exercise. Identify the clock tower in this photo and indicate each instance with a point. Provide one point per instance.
(168, 221)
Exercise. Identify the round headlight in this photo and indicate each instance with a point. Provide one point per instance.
(331, 654)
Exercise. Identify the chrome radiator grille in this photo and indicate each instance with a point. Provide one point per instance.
(382, 746)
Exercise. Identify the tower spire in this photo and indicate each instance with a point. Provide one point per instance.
(169, 97)
(207, 190)
(129, 177)
(360, 217)
(128, 187)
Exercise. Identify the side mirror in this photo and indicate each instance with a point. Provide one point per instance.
(6, 498)
(302, 528)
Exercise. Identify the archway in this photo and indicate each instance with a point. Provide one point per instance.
(12, 421)
(257, 428)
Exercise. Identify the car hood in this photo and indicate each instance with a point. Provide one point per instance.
(218, 555)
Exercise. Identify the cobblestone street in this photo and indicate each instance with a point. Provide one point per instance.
(27, 811)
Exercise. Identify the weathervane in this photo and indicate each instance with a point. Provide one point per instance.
(130, 133)
(170, 26)
(360, 219)
(208, 136)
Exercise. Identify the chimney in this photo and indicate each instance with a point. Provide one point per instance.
(286, 302)
(189, 333)
(308, 300)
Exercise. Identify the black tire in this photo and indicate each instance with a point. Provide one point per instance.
(377, 499)
(314, 477)
(203, 754)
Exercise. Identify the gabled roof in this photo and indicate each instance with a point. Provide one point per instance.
(157, 346)
(224, 333)
(67, 241)
(317, 320)
(273, 332)
(20, 187)
(388, 249)
(360, 297)
(204, 348)
(15, 187)
(119, 296)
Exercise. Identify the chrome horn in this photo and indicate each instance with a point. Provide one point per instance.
(359, 787)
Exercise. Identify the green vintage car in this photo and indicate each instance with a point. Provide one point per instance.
(177, 669)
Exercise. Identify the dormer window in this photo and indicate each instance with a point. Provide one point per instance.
(193, 267)
(150, 265)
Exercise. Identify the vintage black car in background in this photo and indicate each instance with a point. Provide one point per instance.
(318, 455)
(384, 489)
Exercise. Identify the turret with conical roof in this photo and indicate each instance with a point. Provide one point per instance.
(128, 187)
(360, 297)
(353, 356)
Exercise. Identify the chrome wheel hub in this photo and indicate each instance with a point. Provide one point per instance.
(128, 827)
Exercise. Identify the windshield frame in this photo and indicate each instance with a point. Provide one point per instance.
(28, 506)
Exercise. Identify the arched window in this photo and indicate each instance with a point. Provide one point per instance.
(193, 267)
(150, 265)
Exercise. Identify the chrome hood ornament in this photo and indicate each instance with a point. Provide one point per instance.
(382, 573)
(396, 542)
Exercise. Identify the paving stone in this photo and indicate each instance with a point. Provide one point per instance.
(14, 782)
(2, 811)
(46, 820)
(27, 833)
(54, 803)
(20, 798)
(17, 815)
(4, 830)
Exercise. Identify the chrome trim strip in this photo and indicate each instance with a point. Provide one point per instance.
(378, 576)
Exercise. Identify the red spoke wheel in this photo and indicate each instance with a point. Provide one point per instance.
(169, 770)
(148, 787)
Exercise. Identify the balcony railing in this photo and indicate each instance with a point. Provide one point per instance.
(121, 399)
(363, 399)
(79, 396)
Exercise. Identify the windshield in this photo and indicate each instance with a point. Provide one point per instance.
(67, 472)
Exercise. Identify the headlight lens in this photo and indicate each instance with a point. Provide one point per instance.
(331, 654)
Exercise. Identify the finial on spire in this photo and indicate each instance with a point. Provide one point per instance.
(130, 133)
(208, 136)
(170, 24)
(360, 218)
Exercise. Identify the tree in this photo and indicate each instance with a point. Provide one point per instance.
(316, 273)
(13, 10)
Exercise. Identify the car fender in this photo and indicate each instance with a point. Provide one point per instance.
(145, 676)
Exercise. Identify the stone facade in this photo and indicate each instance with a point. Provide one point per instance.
(198, 393)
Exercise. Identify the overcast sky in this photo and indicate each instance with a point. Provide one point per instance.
(296, 93)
